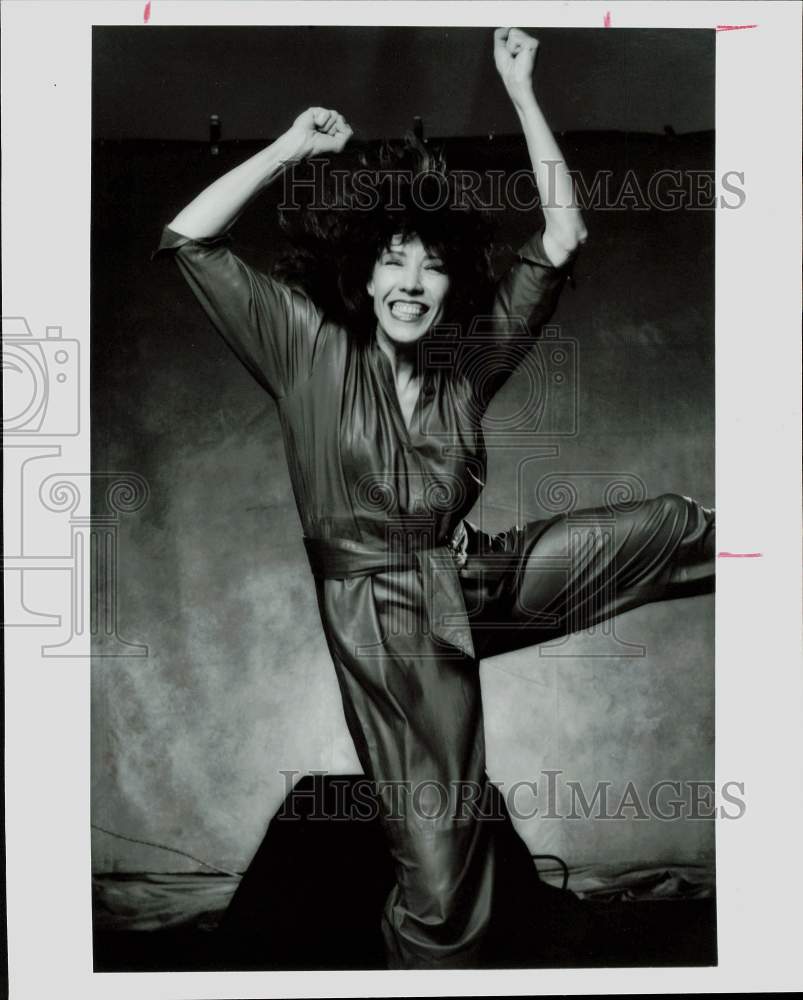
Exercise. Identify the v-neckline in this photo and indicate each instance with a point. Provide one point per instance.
(390, 388)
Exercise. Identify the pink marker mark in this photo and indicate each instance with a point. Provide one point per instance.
(606, 21)
(734, 27)
(146, 14)
(739, 555)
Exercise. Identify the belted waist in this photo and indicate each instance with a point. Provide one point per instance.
(344, 558)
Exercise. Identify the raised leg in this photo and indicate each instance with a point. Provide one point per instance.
(546, 579)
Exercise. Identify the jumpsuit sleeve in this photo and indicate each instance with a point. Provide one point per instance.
(274, 330)
(524, 300)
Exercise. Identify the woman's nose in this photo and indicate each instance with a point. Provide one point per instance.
(411, 280)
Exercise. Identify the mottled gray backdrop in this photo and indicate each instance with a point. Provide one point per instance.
(188, 743)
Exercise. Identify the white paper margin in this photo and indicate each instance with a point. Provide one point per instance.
(46, 60)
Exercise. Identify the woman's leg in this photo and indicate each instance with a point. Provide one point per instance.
(416, 720)
(547, 579)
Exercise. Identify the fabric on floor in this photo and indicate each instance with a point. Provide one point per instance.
(621, 883)
(149, 901)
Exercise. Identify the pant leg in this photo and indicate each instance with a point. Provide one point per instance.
(416, 721)
(546, 579)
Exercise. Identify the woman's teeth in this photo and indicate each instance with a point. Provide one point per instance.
(407, 311)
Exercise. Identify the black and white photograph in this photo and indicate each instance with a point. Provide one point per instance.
(457, 424)
(393, 556)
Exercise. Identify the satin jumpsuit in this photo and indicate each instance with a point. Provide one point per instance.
(411, 595)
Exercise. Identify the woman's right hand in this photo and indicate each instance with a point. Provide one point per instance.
(316, 132)
(319, 132)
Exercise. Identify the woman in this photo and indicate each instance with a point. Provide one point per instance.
(386, 456)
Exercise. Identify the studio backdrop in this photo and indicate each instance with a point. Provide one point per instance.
(213, 690)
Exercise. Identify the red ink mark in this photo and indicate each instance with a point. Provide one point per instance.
(739, 555)
(606, 21)
(146, 16)
(734, 27)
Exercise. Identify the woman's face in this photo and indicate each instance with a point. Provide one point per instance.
(409, 285)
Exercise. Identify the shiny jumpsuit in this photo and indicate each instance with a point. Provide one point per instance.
(411, 595)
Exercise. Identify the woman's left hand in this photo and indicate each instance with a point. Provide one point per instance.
(514, 55)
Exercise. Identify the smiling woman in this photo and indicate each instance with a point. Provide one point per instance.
(409, 286)
(366, 342)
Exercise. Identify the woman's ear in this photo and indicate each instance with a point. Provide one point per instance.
(370, 287)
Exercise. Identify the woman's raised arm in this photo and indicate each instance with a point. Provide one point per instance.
(514, 54)
(271, 328)
(316, 132)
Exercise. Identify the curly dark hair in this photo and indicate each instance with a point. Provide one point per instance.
(366, 199)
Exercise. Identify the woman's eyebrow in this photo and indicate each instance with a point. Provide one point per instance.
(401, 252)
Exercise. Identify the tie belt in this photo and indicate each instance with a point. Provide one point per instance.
(343, 558)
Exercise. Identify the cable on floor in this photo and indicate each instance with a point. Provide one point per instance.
(164, 847)
(553, 857)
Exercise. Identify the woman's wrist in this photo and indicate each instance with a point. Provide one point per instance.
(290, 148)
(523, 99)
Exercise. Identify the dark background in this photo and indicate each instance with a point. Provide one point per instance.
(163, 83)
(188, 743)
